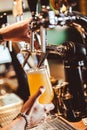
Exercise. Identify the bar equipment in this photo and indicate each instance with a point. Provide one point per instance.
(57, 123)
(74, 56)
(38, 27)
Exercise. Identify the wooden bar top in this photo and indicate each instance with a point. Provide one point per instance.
(77, 125)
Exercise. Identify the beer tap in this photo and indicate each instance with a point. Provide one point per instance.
(74, 57)
(48, 19)
(39, 22)
(33, 9)
(33, 30)
(39, 25)
(44, 24)
(35, 25)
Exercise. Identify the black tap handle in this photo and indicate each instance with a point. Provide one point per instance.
(32, 5)
(44, 2)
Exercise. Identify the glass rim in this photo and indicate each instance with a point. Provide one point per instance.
(44, 67)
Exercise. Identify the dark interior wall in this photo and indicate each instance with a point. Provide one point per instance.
(81, 6)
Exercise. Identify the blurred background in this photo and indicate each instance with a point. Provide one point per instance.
(7, 5)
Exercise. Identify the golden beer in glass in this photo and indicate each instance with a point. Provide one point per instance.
(39, 77)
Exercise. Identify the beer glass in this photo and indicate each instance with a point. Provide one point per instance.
(39, 77)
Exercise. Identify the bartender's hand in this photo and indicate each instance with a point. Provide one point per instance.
(35, 110)
(17, 32)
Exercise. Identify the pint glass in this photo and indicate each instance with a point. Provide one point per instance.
(39, 77)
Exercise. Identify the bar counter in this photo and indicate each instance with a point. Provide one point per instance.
(60, 123)
(78, 125)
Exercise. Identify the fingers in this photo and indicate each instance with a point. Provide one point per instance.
(48, 107)
(29, 103)
(36, 45)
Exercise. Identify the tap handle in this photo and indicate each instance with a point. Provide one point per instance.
(44, 2)
(32, 5)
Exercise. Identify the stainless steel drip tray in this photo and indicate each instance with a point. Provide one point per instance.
(55, 124)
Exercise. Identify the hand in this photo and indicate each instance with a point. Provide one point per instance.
(35, 110)
(17, 32)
